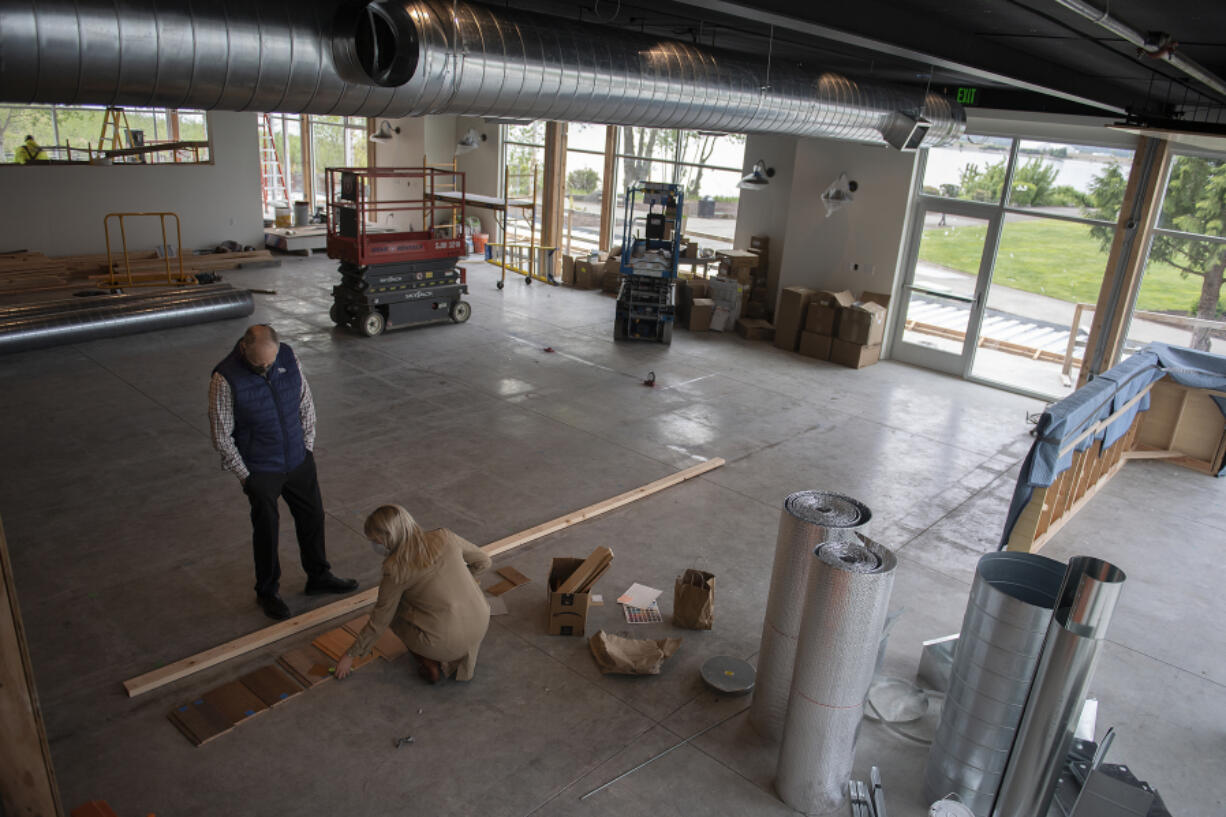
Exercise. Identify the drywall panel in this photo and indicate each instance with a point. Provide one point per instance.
(59, 210)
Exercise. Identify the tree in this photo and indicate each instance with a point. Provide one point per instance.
(582, 181)
(1033, 184)
(639, 146)
(1195, 203)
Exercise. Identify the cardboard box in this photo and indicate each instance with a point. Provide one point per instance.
(691, 249)
(567, 611)
(739, 259)
(612, 280)
(698, 287)
(822, 320)
(588, 274)
(755, 329)
(853, 354)
(790, 318)
(882, 298)
(568, 270)
(863, 324)
(838, 299)
(815, 346)
(701, 312)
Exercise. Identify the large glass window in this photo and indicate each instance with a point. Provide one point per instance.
(585, 185)
(1046, 214)
(523, 156)
(706, 164)
(1180, 300)
(79, 134)
(287, 140)
(336, 141)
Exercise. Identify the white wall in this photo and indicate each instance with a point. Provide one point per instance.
(59, 210)
(809, 249)
(481, 167)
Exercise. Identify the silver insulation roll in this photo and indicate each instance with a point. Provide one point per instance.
(1086, 602)
(37, 326)
(1003, 629)
(809, 518)
(845, 611)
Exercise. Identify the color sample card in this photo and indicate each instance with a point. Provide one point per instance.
(643, 615)
(639, 595)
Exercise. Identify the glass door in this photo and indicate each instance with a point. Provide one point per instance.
(953, 245)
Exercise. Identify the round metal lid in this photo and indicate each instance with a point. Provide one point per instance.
(728, 675)
(949, 808)
(828, 509)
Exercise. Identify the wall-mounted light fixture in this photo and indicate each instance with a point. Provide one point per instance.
(471, 141)
(757, 178)
(385, 133)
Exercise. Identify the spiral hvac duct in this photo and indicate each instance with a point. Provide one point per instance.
(845, 610)
(425, 57)
(809, 518)
(1087, 600)
(36, 326)
(1006, 620)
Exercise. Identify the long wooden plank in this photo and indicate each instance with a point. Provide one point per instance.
(157, 678)
(27, 779)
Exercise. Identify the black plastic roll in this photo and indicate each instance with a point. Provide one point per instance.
(41, 325)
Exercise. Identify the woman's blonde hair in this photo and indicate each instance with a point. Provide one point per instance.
(410, 548)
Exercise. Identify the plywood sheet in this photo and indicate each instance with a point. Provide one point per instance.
(307, 665)
(271, 685)
(199, 721)
(335, 643)
(234, 702)
(500, 588)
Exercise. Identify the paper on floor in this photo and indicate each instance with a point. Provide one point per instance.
(639, 595)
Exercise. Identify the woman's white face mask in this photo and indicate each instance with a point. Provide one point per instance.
(380, 550)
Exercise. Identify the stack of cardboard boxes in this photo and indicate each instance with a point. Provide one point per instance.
(841, 329)
(581, 272)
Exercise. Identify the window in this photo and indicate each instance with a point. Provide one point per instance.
(523, 156)
(76, 134)
(286, 134)
(336, 141)
(585, 185)
(1027, 225)
(1180, 298)
(707, 165)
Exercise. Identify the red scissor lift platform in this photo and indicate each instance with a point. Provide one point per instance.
(398, 263)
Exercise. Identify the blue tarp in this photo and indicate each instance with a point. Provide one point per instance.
(1097, 400)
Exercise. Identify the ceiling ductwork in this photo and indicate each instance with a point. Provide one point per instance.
(391, 59)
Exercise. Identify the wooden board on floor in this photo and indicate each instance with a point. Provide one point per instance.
(27, 779)
(389, 647)
(199, 721)
(512, 575)
(355, 625)
(157, 678)
(271, 685)
(307, 665)
(500, 588)
(235, 702)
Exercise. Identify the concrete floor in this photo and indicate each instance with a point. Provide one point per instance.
(131, 549)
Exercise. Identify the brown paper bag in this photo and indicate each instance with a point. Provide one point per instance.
(616, 655)
(694, 600)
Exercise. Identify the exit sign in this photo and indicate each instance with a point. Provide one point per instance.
(966, 96)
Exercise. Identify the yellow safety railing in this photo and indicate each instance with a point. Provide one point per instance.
(144, 279)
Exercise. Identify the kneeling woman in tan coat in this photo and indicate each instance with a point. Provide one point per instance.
(428, 595)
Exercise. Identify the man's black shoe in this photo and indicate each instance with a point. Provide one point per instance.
(274, 608)
(328, 583)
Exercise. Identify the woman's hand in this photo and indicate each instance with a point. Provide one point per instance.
(344, 667)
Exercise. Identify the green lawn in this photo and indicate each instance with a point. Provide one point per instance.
(1054, 258)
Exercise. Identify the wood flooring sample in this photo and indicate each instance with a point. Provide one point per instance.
(271, 685)
(199, 721)
(235, 702)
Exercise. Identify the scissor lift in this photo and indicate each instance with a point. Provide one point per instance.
(645, 306)
(399, 276)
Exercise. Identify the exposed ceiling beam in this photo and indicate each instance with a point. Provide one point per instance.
(1064, 86)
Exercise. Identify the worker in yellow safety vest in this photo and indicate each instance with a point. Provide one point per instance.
(30, 152)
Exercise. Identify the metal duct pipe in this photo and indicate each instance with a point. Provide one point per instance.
(1006, 620)
(395, 59)
(37, 326)
(226, 55)
(845, 610)
(1130, 34)
(809, 518)
(474, 59)
(1087, 600)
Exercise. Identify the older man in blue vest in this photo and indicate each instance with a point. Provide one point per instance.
(263, 422)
